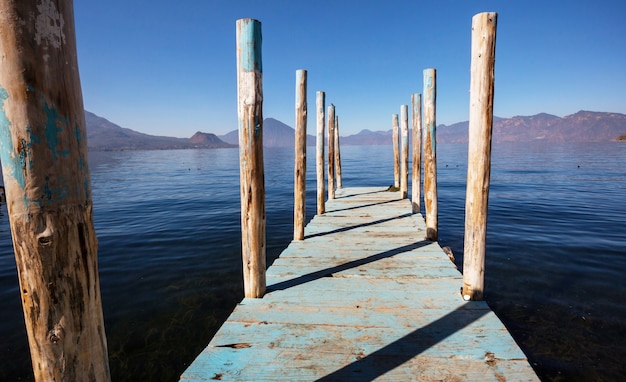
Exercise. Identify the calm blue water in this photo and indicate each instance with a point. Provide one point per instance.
(170, 268)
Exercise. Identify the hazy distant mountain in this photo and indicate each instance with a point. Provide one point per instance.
(584, 126)
(367, 137)
(275, 134)
(105, 135)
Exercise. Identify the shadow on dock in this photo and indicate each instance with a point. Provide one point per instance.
(362, 205)
(388, 358)
(328, 272)
(345, 229)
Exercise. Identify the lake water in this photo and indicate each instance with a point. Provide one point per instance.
(170, 264)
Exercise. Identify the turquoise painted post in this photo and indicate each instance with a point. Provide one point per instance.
(430, 154)
(43, 150)
(404, 152)
(299, 176)
(319, 154)
(251, 169)
(479, 153)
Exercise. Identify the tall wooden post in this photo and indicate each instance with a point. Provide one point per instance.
(299, 176)
(396, 151)
(43, 150)
(319, 154)
(479, 153)
(250, 115)
(337, 154)
(404, 165)
(416, 194)
(331, 152)
(430, 154)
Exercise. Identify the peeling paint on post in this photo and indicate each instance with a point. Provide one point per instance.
(479, 153)
(404, 153)
(416, 188)
(251, 170)
(299, 177)
(47, 182)
(430, 154)
(319, 154)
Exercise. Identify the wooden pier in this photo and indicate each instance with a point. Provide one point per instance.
(363, 297)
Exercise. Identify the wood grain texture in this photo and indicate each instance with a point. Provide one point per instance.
(479, 153)
(338, 154)
(430, 154)
(299, 176)
(319, 152)
(395, 138)
(404, 151)
(364, 297)
(416, 175)
(43, 151)
(251, 168)
(331, 152)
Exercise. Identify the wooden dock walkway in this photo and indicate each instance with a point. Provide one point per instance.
(364, 297)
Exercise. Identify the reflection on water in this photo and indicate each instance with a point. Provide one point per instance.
(170, 268)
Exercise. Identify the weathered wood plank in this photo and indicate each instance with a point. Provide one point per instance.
(363, 297)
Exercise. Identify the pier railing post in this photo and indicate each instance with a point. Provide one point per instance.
(299, 176)
(404, 166)
(337, 154)
(43, 150)
(416, 187)
(319, 154)
(396, 150)
(250, 115)
(479, 153)
(331, 152)
(430, 154)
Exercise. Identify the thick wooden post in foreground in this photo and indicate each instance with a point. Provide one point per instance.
(396, 150)
(299, 176)
(404, 139)
(43, 150)
(250, 115)
(416, 194)
(319, 153)
(337, 154)
(331, 151)
(430, 154)
(479, 153)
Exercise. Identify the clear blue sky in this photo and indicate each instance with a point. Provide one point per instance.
(169, 68)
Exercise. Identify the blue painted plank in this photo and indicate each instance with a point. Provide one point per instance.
(363, 297)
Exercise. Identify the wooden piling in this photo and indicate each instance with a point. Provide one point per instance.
(319, 153)
(337, 154)
(430, 154)
(396, 151)
(299, 176)
(404, 154)
(43, 150)
(479, 153)
(250, 115)
(416, 186)
(331, 152)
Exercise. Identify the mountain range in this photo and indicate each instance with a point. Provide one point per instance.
(104, 135)
(583, 126)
